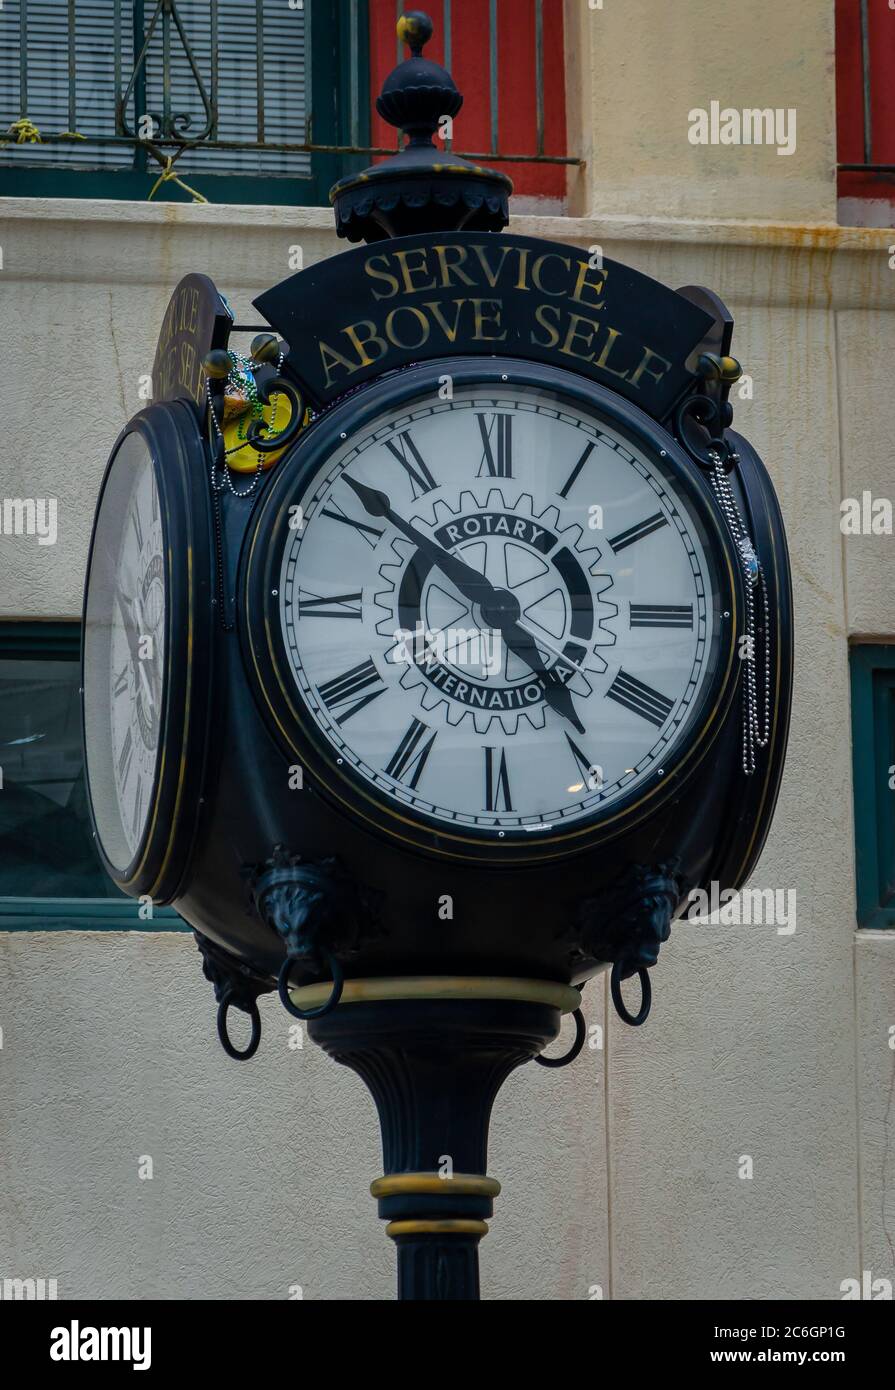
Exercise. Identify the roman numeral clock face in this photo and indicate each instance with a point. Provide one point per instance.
(497, 612)
(125, 633)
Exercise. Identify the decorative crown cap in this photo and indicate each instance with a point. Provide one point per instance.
(421, 188)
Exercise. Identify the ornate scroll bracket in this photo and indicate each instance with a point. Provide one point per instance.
(321, 914)
(701, 419)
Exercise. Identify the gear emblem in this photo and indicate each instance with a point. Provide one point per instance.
(448, 651)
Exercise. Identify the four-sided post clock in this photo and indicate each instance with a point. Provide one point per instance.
(436, 650)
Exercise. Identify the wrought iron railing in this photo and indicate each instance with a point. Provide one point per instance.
(211, 87)
(493, 153)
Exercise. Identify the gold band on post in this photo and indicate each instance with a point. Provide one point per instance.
(414, 1184)
(565, 998)
(447, 1227)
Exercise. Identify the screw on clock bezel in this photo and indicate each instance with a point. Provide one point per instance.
(177, 451)
(279, 699)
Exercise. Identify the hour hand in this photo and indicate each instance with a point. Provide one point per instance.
(556, 692)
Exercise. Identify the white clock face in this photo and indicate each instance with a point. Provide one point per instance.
(125, 652)
(497, 610)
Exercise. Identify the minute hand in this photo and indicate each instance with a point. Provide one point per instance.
(500, 608)
(471, 582)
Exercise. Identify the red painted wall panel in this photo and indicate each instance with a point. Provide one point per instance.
(850, 96)
(470, 65)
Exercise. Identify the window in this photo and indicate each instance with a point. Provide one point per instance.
(865, 101)
(237, 90)
(873, 752)
(261, 100)
(50, 876)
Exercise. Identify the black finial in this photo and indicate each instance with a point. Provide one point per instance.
(418, 93)
(415, 29)
(422, 188)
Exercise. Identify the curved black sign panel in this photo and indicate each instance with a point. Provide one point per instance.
(356, 315)
(196, 320)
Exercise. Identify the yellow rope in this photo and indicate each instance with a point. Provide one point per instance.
(168, 173)
(25, 131)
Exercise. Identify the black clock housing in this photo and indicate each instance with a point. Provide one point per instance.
(226, 800)
(526, 908)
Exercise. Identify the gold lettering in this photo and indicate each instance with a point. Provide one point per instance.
(392, 333)
(576, 332)
(187, 357)
(493, 318)
(408, 271)
(492, 276)
(582, 284)
(329, 357)
(360, 344)
(452, 265)
(194, 308)
(541, 318)
(381, 275)
(644, 368)
(603, 360)
(523, 268)
(449, 330)
(536, 272)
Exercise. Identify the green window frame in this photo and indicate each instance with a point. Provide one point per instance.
(873, 754)
(340, 117)
(61, 641)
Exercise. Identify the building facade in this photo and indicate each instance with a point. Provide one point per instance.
(742, 1145)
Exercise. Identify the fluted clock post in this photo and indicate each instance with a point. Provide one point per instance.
(434, 1067)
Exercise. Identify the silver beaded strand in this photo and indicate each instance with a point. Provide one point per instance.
(756, 729)
(242, 376)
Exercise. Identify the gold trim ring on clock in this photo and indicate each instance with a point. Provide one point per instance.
(565, 998)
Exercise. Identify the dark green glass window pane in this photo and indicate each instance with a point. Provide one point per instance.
(46, 846)
(873, 753)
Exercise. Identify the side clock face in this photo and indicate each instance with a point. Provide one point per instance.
(500, 616)
(137, 597)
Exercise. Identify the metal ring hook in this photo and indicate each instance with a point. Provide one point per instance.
(646, 995)
(567, 1057)
(338, 978)
(252, 1011)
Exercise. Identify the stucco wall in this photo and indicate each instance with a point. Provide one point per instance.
(639, 67)
(759, 1044)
